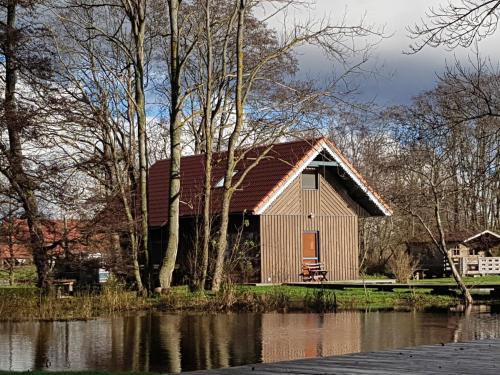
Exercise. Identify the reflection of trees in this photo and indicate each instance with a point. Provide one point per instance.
(134, 354)
(196, 336)
(474, 326)
(173, 342)
(386, 330)
(220, 340)
(167, 355)
(42, 344)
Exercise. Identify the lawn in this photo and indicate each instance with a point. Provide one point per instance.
(24, 275)
(469, 281)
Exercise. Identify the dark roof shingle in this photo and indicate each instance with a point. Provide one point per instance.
(259, 182)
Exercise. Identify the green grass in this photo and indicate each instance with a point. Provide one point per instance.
(24, 275)
(489, 279)
(361, 299)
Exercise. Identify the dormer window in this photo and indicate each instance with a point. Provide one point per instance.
(221, 181)
(310, 179)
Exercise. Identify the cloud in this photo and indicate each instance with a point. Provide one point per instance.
(402, 76)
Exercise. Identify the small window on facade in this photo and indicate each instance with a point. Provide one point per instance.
(310, 179)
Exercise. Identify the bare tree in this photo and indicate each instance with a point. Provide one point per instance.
(429, 169)
(457, 23)
(23, 66)
(176, 63)
(328, 37)
(136, 13)
(103, 59)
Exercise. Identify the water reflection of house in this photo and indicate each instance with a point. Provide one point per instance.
(471, 254)
(295, 336)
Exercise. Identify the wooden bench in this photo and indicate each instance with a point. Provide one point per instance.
(313, 272)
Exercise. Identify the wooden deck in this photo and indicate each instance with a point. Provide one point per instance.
(477, 358)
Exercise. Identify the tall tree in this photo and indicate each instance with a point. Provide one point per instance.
(136, 13)
(103, 55)
(22, 67)
(178, 56)
(175, 66)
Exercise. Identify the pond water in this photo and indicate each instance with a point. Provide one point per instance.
(164, 342)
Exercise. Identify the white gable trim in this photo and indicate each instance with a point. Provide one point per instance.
(358, 182)
(287, 183)
(323, 146)
(481, 234)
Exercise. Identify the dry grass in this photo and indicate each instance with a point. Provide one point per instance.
(229, 298)
(28, 303)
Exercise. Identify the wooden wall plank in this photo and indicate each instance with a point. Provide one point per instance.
(325, 210)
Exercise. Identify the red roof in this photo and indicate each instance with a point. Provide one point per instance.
(259, 186)
(53, 231)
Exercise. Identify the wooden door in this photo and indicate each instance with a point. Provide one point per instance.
(310, 247)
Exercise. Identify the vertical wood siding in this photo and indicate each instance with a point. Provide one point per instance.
(296, 211)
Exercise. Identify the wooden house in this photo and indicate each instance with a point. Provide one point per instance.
(300, 204)
(471, 254)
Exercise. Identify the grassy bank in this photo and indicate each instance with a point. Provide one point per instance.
(24, 302)
(27, 303)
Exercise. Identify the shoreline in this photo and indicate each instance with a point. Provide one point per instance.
(25, 304)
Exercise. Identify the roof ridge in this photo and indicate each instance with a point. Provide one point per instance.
(302, 140)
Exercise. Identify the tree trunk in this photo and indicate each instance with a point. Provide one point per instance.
(233, 141)
(170, 257)
(137, 17)
(19, 179)
(208, 130)
(467, 298)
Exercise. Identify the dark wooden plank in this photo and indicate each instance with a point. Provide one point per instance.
(471, 358)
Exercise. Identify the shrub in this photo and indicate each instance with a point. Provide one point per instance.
(402, 266)
(321, 300)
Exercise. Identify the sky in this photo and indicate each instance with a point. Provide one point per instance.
(399, 76)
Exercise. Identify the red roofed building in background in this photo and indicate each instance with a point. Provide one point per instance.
(60, 236)
(299, 205)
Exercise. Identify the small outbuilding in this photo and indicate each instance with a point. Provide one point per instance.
(300, 205)
(472, 254)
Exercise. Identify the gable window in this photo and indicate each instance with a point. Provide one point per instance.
(310, 179)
